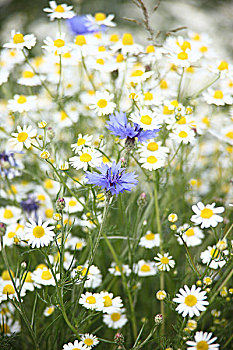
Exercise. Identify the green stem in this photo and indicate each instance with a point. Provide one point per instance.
(180, 82)
(190, 257)
(87, 73)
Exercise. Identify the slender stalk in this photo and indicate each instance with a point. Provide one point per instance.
(88, 74)
(190, 257)
(179, 86)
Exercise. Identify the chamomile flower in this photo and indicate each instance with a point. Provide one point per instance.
(115, 270)
(89, 340)
(77, 345)
(206, 215)
(146, 119)
(202, 340)
(183, 134)
(150, 240)
(13, 234)
(82, 141)
(183, 58)
(191, 301)
(102, 104)
(28, 281)
(29, 78)
(111, 304)
(22, 138)
(151, 162)
(213, 257)
(49, 310)
(39, 234)
(86, 156)
(21, 103)
(94, 276)
(7, 290)
(76, 243)
(115, 319)
(72, 205)
(164, 262)
(99, 20)
(92, 301)
(145, 268)
(139, 75)
(217, 97)
(9, 214)
(61, 11)
(127, 45)
(43, 276)
(191, 235)
(20, 41)
(58, 46)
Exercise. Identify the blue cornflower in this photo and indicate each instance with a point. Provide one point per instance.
(9, 167)
(119, 126)
(113, 179)
(80, 25)
(30, 206)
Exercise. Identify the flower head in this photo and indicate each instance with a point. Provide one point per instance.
(113, 179)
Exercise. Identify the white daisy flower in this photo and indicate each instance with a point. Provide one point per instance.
(191, 235)
(13, 235)
(150, 240)
(116, 319)
(164, 262)
(111, 304)
(206, 215)
(86, 156)
(29, 78)
(43, 276)
(145, 268)
(72, 205)
(100, 19)
(139, 76)
(76, 243)
(58, 45)
(9, 326)
(94, 277)
(77, 345)
(151, 162)
(82, 141)
(202, 341)
(115, 270)
(4, 74)
(184, 58)
(28, 283)
(61, 11)
(154, 148)
(146, 119)
(7, 290)
(49, 310)
(20, 41)
(183, 134)
(191, 301)
(217, 97)
(21, 103)
(102, 103)
(127, 45)
(92, 301)
(89, 340)
(9, 215)
(151, 98)
(39, 234)
(213, 257)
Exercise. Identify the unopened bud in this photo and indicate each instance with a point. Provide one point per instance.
(60, 204)
(50, 133)
(158, 319)
(119, 338)
(2, 229)
(141, 202)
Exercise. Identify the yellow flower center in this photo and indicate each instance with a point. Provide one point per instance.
(148, 96)
(146, 119)
(190, 300)
(41, 266)
(183, 134)
(105, 160)
(151, 160)
(49, 213)
(12, 53)
(223, 65)
(214, 253)
(11, 234)
(46, 275)
(167, 111)
(119, 58)
(163, 84)
(196, 37)
(59, 42)
(181, 121)
(28, 278)
(67, 55)
(107, 301)
(100, 16)
(28, 74)
(182, 56)
(38, 231)
(127, 39)
(114, 38)
(8, 214)
(100, 61)
(85, 157)
(80, 40)
(6, 276)
(5, 328)
(186, 45)
(8, 289)
(190, 232)
(202, 345)
(206, 213)
(206, 121)
(22, 136)
(79, 245)
(218, 94)
(137, 73)
(59, 8)
(190, 69)
(164, 260)
(22, 99)
(102, 103)
(115, 316)
(88, 342)
(203, 49)
(50, 311)
(91, 300)
(150, 49)
(145, 268)
(101, 48)
(72, 203)
(18, 38)
(64, 116)
(229, 134)
(81, 142)
(150, 236)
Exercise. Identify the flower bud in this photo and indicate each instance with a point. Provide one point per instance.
(2, 229)
(161, 295)
(60, 204)
(172, 217)
(50, 133)
(141, 202)
(119, 338)
(45, 154)
(42, 124)
(158, 319)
